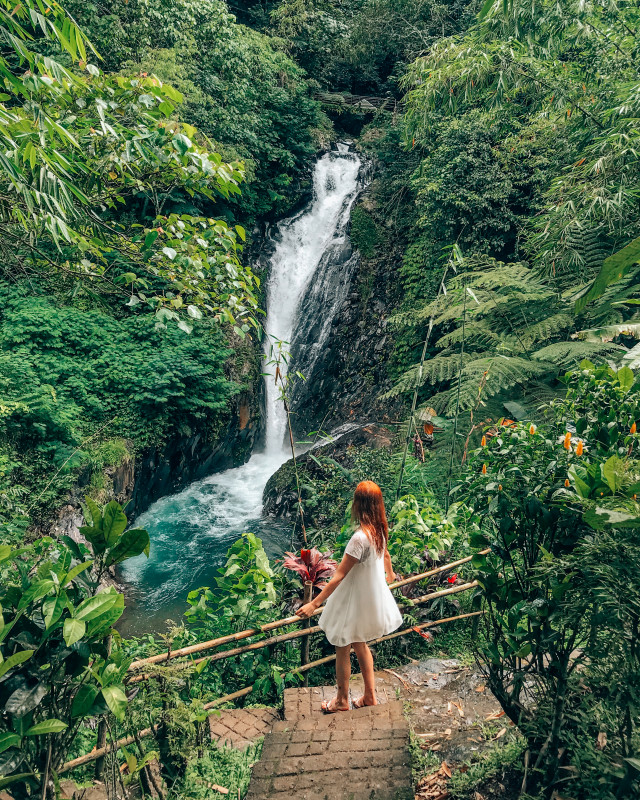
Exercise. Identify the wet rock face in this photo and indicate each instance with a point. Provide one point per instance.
(166, 470)
(346, 378)
(280, 498)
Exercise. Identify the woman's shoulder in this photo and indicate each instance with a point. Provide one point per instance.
(360, 536)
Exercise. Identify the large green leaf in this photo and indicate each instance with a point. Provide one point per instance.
(83, 700)
(5, 552)
(53, 607)
(73, 630)
(132, 543)
(114, 521)
(613, 269)
(24, 701)
(14, 660)
(116, 699)
(8, 740)
(46, 727)
(93, 607)
(35, 592)
(73, 573)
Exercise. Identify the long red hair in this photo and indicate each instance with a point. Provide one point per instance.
(368, 511)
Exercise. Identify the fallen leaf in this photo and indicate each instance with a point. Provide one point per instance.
(478, 796)
(480, 689)
(220, 789)
(446, 769)
(495, 715)
(449, 707)
(501, 733)
(601, 741)
(459, 707)
(447, 732)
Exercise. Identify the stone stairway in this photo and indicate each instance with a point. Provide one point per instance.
(353, 755)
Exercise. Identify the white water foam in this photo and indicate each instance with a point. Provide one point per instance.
(191, 531)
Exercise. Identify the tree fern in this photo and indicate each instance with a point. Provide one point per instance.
(570, 354)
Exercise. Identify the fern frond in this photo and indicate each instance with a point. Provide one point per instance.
(569, 354)
(434, 370)
(476, 334)
(499, 373)
(547, 328)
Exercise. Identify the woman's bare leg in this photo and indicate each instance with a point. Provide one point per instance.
(365, 659)
(343, 673)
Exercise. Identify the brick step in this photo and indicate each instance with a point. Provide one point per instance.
(239, 727)
(352, 755)
(303, 702)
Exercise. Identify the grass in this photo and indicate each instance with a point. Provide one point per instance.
(220, 766)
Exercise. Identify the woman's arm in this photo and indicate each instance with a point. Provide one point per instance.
(345, 566)
(388, 567)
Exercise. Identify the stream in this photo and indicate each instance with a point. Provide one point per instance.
(191, 531)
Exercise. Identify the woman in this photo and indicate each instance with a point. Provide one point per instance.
(360, 606)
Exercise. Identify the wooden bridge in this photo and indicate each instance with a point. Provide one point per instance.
(363, 103)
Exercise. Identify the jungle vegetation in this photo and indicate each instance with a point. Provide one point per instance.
(145, 145)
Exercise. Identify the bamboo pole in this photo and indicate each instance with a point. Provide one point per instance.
(127, 740)
(236, 651)
(292, 634)
(281, 623)
(306, 625)
(436, 571)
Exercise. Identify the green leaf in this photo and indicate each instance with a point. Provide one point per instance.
(35, 592)
(53, 607)
(116, 699)
(83, 700)
(24, 701)
(626, 378)
(486, 8)
(169, 252)
(14, 660)
(5, 552)
(93, 607)
(95, 515)
(132, 543)
(46, 727)
(150, 238)
(613, 269)
(181, 143)
(114, 522)
(73, 573)
(8, 740)
(601, 518)
(610, 470)
(73, 630)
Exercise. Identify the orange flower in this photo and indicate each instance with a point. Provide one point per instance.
(532, 429)
(633, 428)
(635, 496)
(499, 487)
(484, 441)
(567, 441)
(484, 469)
(579, 449)
(566, 483)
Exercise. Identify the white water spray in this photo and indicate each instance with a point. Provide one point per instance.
(191, 531)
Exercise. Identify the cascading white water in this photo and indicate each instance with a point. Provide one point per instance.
(191, 531)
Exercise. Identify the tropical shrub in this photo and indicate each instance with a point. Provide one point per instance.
(558, 511)
(57, 667)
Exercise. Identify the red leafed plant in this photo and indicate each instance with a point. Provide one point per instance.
(311, 565)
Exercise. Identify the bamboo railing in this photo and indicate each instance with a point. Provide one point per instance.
(303, 668)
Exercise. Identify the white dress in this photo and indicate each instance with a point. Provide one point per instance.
(362, 608)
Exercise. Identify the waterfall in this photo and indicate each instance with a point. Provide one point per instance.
(192, 530)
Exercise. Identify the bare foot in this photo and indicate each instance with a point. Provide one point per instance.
(361, 702)
(330, 706)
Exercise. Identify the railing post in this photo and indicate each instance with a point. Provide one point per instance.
(304, 650)
(102, 734)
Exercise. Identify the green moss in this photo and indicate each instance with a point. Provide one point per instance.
(364, 232)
